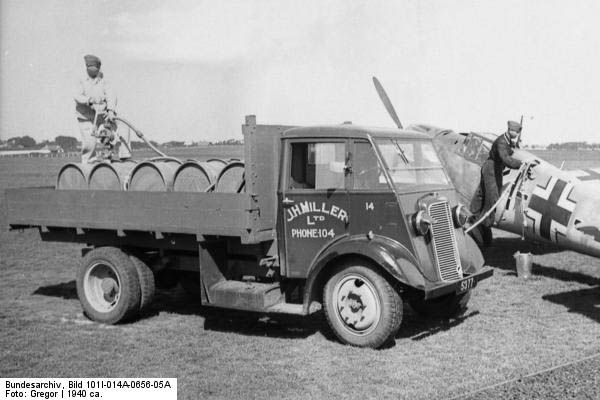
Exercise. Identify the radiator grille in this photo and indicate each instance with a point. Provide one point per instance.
(445, 248)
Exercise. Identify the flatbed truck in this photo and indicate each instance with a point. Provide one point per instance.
(352, 220)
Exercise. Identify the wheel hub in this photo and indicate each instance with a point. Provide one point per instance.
(109, 288)
(357, 304)
(102, 286)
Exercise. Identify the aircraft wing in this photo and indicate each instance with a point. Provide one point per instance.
(586, 175)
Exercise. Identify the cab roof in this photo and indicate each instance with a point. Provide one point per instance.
(350, 130)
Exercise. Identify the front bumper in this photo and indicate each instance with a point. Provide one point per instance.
(463, 285)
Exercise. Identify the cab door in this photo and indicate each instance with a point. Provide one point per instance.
(313, 200)
(371, 200)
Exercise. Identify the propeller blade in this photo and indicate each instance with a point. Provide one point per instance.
(387, 103)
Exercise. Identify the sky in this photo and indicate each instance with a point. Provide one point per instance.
(191, 70)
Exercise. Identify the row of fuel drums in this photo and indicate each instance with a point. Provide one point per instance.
(155, 175)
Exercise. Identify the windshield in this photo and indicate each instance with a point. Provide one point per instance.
(412, 163)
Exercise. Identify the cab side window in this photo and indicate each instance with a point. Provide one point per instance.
(317, 165)
(365, 168)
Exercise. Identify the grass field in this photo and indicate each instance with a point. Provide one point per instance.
(513, 327)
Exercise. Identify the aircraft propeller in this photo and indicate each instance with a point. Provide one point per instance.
(386, 102)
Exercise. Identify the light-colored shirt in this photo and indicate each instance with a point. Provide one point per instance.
(99, 91)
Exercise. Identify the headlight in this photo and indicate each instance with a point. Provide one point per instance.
(460, 215)
(421, 223)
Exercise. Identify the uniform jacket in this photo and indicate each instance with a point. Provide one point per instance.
(501, 153)
(96, 89)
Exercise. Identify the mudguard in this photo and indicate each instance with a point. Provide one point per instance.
(392, 256)
(471, 259)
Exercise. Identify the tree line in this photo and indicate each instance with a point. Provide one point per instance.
(69, 143)
(574, 146)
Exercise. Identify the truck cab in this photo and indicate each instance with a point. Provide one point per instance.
(352, 220)
(379, 199)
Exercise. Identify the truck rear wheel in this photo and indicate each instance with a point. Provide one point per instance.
(147, 285)
(361, 306)
(448, 306)
(108, 286)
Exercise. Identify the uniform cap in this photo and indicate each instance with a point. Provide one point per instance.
(92, 61)
(514, 126)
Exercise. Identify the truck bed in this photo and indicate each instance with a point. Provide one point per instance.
(200, 214)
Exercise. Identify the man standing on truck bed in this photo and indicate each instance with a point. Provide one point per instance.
(94, 95)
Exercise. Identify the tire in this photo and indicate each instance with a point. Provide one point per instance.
(147, 285)
(108, 286)
(448, 306)
(352, 288)
(190, 282)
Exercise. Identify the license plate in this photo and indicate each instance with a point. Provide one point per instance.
(466, 285)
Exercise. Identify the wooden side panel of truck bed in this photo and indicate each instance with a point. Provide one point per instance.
(225, 214)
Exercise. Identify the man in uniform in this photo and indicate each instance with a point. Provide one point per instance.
(94, 95)
(491, 170)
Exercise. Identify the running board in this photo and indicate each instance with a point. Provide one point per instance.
(286, 308)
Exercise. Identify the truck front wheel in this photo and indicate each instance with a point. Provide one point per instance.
(108, 286)
(448, 306)
(361, 306)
